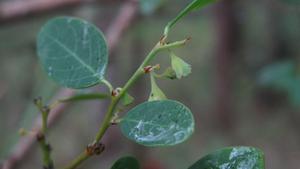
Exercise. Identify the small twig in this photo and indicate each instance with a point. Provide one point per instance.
(41, 135)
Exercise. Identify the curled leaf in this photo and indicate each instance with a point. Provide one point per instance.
(180, 67)
(169, 73)
(156, 92)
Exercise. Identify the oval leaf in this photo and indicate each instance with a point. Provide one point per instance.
(232, 158)
(158, 123)
(73, 52)
(126, 163)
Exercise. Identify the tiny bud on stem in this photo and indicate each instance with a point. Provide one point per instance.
(94, 149)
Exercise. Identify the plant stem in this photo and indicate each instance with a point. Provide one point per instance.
(41, 138)
(110, 87)
(115, 100)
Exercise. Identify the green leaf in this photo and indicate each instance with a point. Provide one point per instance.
(158, 123)
(196, 4)
(81, 97)
(180, 67)
(127, 99)
(156, 92)
(126, 163)
(169, 73)
(232, 158)
(73, 52)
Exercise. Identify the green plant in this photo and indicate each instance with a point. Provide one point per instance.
(74, 54)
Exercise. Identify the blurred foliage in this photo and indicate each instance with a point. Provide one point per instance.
(149, 6)
(283, 76)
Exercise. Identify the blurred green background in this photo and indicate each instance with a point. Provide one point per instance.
(244, 89)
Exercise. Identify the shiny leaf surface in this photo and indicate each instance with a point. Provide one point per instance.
(158, 123)
(232, 158)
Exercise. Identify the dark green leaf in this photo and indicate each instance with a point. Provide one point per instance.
(126, 163)
(158, 123)
(81, 97)
(196, 4)
(232, 158)
(73, 52)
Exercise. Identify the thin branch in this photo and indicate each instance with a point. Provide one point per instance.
(119, 25)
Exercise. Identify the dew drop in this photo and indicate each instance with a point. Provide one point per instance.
(49, 71)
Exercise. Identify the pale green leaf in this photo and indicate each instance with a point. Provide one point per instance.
(158, 123)
(180, 67)
(156, 93)
(127, 99)
(169, 73)
(73, 52)
(232, 158)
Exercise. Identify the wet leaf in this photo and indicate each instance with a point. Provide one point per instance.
(156, 92)
(126, 163)
(180, 67)
(158, 123)
(73, 52)
(232, 158)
